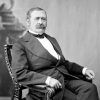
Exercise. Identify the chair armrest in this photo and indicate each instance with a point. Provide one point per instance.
(25, 90)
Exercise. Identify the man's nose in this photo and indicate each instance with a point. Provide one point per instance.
(40, 21)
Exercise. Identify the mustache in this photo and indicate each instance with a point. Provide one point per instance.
(40, 26)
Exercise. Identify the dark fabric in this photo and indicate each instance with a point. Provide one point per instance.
(32, 64)
(82, 89)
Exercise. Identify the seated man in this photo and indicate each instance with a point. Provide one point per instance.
(37, 59)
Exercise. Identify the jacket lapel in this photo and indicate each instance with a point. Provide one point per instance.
(55, 44)
(33, 45)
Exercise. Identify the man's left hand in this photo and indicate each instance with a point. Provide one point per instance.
(89, 74)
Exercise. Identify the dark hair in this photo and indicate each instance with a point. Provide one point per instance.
(33, 9)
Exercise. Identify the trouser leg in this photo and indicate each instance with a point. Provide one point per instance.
(68, 95)
(83, 90)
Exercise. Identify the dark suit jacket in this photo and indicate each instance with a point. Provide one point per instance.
(32, 63)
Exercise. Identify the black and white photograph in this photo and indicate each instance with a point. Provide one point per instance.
(49, 49)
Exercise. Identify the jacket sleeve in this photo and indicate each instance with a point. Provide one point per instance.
(20, 68)
(73, 68)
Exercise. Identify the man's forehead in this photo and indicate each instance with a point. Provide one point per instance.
(39, 13)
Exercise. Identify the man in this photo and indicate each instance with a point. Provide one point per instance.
(37, 60)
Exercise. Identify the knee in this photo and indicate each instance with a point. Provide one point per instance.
(92, 87)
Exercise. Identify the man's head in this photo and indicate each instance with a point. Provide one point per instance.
(37, 20)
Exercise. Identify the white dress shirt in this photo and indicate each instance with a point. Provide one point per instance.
(49, 47)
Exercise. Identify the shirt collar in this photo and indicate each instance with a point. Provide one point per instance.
(37, 35)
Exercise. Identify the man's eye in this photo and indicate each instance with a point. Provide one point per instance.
(37, 18)
(43, 18)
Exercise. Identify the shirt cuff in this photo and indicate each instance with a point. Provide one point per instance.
(48, 80)
(84, 70)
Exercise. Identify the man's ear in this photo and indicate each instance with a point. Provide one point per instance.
(27, 22)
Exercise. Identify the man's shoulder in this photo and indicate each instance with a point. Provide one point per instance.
(23, 37)
(20, 40)
(18, 43)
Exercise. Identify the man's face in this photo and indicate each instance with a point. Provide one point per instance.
(38, 22)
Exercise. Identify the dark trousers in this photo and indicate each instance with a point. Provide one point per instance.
(80, 90)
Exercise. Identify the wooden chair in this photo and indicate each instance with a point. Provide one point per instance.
(19, 91)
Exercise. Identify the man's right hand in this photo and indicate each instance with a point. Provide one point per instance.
(54, 83)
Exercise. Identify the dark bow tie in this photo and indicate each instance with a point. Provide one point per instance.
(39, 35)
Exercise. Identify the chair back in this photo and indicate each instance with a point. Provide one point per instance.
(16, 91)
